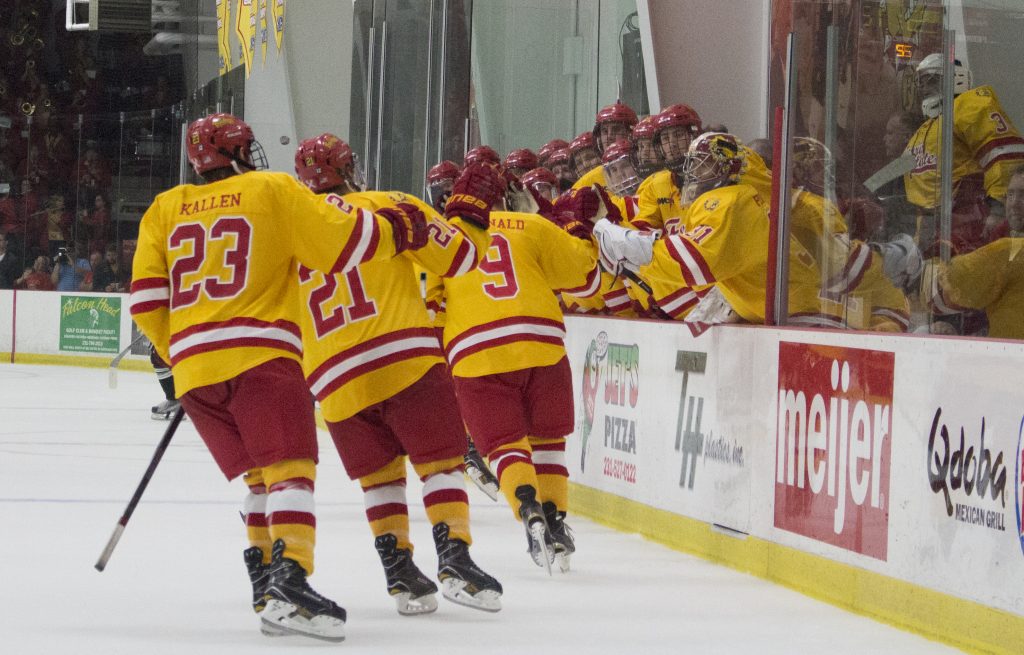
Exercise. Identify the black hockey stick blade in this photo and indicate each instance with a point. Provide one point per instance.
(161, 447)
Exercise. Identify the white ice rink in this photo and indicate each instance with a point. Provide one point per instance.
(72, 451)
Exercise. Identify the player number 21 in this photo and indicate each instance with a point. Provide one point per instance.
(236, 232)
(360, 307)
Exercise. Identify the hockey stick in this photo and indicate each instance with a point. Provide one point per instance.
(161, 447)
(114, 363)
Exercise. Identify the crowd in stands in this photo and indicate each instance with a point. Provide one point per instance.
(61, 96)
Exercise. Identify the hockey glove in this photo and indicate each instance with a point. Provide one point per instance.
(474, 193)
(408, 224)
(611, 210)
(584, 205)
(619, 246)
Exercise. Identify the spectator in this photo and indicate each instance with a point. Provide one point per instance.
(36, 278)
(57, 223)
(9, 266)
(95, 258)
(69, 269)
(95, 221)
(109, 276)
(10, 220)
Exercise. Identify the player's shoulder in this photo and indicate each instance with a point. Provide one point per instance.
(593, 176)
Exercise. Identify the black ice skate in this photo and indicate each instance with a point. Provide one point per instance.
(561, 535)
(413, 592)
(165, 410)
(479, 472)
(259, 576)
(538, 538)
(462, 581)
(293, 606)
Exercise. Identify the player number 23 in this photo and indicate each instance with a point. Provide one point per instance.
(228, 277)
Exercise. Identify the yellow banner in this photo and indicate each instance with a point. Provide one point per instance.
(223, 35)
(277, 14)
(263, 33)
(245, 35)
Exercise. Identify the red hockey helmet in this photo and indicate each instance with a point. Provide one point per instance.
(440, 179)
(646, 156)
(584, 154)
(612, 123)
(325, 162)
(619, 169)
(221, 140)
(542, 181)
(550, 148)
(481, 155)
(646, 128)
(676, 125)
(521, 160)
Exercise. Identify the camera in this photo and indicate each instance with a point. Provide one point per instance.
(62, 256)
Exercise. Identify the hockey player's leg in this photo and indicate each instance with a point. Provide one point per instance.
(164, 410)
(517, 476)
(291, 604)
(447, 507)
(553, 479)
(388, 515)
(478, 471)
(257, 556)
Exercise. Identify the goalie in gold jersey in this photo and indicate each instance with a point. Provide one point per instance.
(725, 244)
(373, 361)
(214, 289)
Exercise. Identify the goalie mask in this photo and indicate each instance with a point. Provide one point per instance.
(814, 168)
(619, 170)
(223, 141)
(326, 162)
(440, 180)
(929, 83)
(714, 159)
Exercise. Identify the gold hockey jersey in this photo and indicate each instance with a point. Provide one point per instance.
(504, 316)
(214, 284)
(726, 245)
(366, 333)
(985, 143)
(989, 278)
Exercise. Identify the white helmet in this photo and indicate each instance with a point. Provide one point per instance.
(929, 87)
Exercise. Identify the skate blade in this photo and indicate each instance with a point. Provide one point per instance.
(409, 606)
(268, 630)
(487, 600)
(286, 617)
(543, 556)
(476, 476)
(562, 559)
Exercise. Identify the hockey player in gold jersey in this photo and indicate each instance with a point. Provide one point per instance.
(990, 278)
(986, 148)
(725, 244)
(504, 340)
(374, 363)
(214, 290)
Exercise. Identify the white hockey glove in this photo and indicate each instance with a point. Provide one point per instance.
(619, 246)
(901, 260)
(712, 309)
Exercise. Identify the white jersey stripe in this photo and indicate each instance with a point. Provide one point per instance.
(553, 457)
(321, 381)
(215, 335)
(1015, 148)
(503, 332)
(149, 295)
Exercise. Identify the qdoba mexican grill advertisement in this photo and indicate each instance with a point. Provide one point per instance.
(833, 445)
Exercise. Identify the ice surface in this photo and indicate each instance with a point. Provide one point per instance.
(72, 451)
